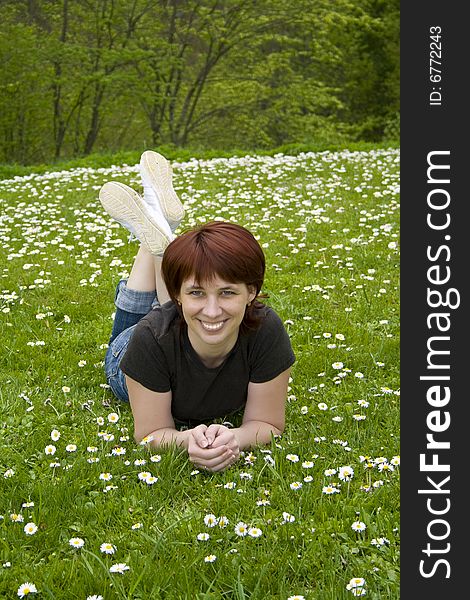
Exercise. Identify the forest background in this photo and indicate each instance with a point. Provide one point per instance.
(108, 76)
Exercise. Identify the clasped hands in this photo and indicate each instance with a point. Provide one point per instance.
(213, 448)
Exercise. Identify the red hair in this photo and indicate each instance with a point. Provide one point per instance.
(216, 249)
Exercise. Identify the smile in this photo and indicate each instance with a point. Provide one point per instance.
(212, 326)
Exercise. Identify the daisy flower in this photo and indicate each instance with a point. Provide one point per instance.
(255, 532)
(95, 597)
(307, 464)
(210, 558)
(151, 480)
(292, 457)
(137, 526)
(296, 597)
(156, 458)
(25, 589)
(385, 467)
(16, 518)
(71, 447)
(118, 568)
(107, 548)
(223, 522)
(50, 450)
(295, 485)
(241, 529)
(287, 518)
(210, 520)
(337, 365)
(328, 490)
(381, 541)
(106, 476)
(55, 435)
(356, 586)
(76, 542)
(30, 528)
(202, 537)
(250, 458)
(322, 406)
(263, 502)
(118, 451)
(346, 473)
(358, 526)
(113, 417)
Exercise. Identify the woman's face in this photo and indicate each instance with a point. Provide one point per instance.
(213, 311)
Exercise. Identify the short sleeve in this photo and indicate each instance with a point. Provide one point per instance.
(272, 352)
(144, 360)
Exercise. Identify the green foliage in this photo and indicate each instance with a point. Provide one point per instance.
(82, 77)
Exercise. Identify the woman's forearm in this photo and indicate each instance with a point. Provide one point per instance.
(167, 437)
(253, 433)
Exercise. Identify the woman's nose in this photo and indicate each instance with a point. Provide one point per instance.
(212, 307)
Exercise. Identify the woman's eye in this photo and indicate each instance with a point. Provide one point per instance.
(228, 293)
(196, 293)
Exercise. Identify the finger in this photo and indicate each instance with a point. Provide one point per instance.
(199, 435)
(212, 432)
(211, 463)
(220, 440)
(207, 456)
(224, 464)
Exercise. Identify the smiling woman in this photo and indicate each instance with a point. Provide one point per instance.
(191, 342)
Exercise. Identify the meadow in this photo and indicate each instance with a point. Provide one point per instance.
(86, 513)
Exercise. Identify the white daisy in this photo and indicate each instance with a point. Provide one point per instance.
(241, 529)
(118, 568)
(30, 528)
(25, 589)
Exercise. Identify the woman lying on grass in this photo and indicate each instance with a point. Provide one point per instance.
(190, 342)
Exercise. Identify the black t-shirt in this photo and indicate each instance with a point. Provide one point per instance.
(161, 358)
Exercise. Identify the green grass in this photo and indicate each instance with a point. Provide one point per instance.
(329, 225)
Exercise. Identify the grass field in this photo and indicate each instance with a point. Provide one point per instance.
(316, 514)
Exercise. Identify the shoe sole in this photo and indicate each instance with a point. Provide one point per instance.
(126, 206)
(157, 172)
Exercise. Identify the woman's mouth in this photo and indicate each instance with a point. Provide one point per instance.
(212, 326)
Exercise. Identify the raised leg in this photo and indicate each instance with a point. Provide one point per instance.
(145, 275)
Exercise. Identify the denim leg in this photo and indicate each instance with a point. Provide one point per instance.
(131, 306)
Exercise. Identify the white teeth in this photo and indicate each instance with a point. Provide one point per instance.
(212, 326)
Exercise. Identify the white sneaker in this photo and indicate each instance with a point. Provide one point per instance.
(156, 174)
(127, 207)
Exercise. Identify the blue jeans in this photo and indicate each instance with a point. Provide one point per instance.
(131, 306)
